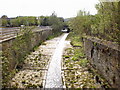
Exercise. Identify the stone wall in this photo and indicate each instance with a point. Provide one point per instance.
(38, 37)
(104, 56)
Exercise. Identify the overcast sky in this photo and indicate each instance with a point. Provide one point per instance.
(63, 8)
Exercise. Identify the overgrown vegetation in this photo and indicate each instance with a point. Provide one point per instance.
(78, 51)
(105, 24)
(22, 44)
(77, 71)
(75, 64)
(13, 57)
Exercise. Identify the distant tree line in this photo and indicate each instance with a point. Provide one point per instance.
(18, 21)
(105, 24)
(57, 23)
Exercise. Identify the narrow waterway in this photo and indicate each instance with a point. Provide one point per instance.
(53, 78)
(42, 68)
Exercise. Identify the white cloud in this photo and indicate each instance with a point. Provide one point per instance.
(63, 8)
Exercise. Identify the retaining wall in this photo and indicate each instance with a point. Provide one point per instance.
(104, 56)
(37, 37)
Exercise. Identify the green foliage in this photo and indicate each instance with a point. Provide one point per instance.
(80, 24)
(43, 20)
(104, 25)
(109, 26)
(5, 69)
(6, 72)
(76, 41)
(79, 55)
(15, 55)
(27, 21)
(15, 22)
(55, 22)
(55, 34)
(83, 62)
(4, 22)
(22, 43)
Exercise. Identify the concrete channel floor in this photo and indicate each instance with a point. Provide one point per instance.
(53, 78)
(43, 66)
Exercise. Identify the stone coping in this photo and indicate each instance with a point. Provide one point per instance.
(5, 40)
(109, 44)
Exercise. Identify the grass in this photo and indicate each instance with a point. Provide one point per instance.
(83, 62)
(75, 40)
(54, 35)
(49, 38)
(78, 52)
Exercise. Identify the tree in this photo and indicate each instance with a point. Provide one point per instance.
(14, 22)
(27, 21)
(4, 19)
(56, 22)
(109, 20)
(81, 24)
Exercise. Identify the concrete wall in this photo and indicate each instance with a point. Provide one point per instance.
(104, 56)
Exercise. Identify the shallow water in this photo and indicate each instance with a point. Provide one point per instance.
(53, 78)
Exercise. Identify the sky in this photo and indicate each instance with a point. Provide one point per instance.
(63, 8)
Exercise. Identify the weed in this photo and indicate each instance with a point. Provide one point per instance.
(83, 62)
